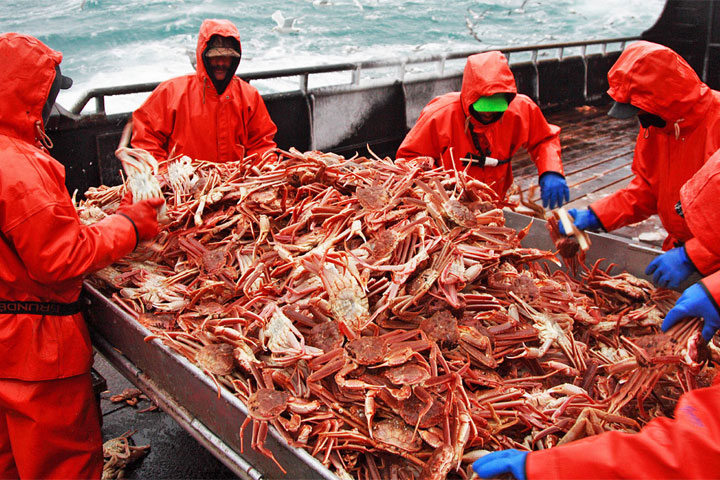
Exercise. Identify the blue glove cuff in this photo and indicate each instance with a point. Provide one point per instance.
(671, 268)
(711, 320)
(695, 301)
(594, 221)
(504, 461)
(553, 189)
(585, 219)
(686, 258)
(545, 177)
(683, 255)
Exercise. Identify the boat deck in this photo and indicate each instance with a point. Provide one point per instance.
(597, 153)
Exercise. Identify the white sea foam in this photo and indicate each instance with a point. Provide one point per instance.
(116, 42)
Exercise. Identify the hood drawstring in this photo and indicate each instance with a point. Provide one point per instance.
(467, 124)
(204, 88)
(677, 128)
(41, 137)
(646, 134)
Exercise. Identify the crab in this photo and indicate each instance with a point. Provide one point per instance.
(266, 405)
(141, 168)
(119, 453)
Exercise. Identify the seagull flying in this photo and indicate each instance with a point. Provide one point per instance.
(284, 25)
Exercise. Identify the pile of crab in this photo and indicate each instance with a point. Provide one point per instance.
(380, 315)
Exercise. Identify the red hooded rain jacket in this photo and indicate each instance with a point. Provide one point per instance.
(185, 115)
(699, 199)
(688, 445)
(44, 249)
(443, 128)
(656, 79)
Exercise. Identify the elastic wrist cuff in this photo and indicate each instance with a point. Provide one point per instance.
(709, 294)
(688, 259)
(597, 218)
(137, 234)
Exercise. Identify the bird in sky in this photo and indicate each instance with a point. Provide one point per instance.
(284, 25)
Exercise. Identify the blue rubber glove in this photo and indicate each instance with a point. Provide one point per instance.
(671, 268)
(695, 302)
(553, 190)
(584, 220)
(504, 461)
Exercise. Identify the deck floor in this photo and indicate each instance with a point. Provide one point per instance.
(597, 153)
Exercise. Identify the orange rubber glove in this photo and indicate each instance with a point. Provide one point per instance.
(143, 216)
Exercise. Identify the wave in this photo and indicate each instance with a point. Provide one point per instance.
(114, 42)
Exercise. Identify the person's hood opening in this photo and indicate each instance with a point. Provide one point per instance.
(487, 75)
(61, 82)
(218, 39)
(656, 80)
(487, 110)
(623, 111)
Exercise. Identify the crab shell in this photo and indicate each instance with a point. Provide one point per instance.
(267, 404)
(216, 358)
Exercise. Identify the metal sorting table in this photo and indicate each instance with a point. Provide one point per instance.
(190, 397)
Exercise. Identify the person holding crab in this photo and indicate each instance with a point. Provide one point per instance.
(685, 446)
(49, 421)
(679, 119)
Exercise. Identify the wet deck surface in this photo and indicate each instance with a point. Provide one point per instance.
(597, 155)
(174, 454)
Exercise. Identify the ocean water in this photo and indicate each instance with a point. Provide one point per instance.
(116, 42)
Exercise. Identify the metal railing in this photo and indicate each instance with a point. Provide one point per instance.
(99, 94)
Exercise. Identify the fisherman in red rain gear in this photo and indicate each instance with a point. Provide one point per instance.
(484, 125)
(210, 114)
(49, 421)
(698, 198)
(687, 446)
(680, 129)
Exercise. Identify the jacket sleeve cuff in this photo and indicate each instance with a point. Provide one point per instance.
(137, 234)
(704, 261)
(598, 218)
(599, 209)
(120, 232)
(542, 174)
(549, 161)
(541, 464)
(711, 285)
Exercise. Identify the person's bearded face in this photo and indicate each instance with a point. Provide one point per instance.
(219, 67)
